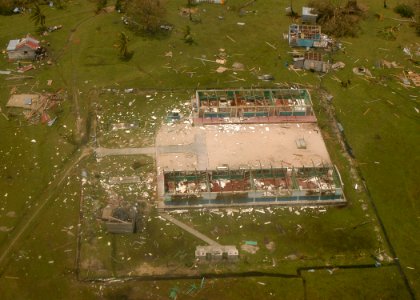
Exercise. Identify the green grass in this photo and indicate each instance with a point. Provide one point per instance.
(381, 283)
(385, 141)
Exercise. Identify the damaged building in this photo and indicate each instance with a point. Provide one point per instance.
(119, 219)
(309, 15)
(251, 147)
(271, 186)
(27, 48)
(312, 61)
(308, 36)
(253, 106)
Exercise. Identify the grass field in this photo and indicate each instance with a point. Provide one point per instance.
(378, 115)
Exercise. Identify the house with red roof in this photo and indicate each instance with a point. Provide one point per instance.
(25, 48)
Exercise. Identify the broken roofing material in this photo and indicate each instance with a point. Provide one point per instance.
(253, 106)
(306, 36)
(254, 186)
(119, 219)
(312, 61)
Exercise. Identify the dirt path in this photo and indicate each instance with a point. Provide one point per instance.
(45, 197)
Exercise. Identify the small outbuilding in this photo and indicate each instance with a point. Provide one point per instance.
(119, 219)
(308, 15)
(216, 253)
(25, 48)
(312, 61)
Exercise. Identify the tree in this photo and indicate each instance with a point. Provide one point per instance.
(100, 4)
(37, 16)
(122, 45)
(187, 36)
(119, 5)
(145, 15)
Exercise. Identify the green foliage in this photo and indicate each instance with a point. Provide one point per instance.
(418, 25)
(37, 16)
(145, 15)
(59, 4)
(191, 3)
(6, 7)
(404, 10)
(100, 5)
(187, 35)
(122, 45)
(388, 33)
(336, 19)
(119, 5)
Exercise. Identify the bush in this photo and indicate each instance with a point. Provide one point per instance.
(404, 10)
(6, 7)
(338, 20)
(145, 15)
(100, 4)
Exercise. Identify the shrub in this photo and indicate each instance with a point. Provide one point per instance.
(338, 20)
(404, 10)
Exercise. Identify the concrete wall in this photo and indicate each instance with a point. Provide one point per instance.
(120, 227)
(22, 54)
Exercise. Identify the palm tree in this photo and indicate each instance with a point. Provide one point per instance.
(37, 16)
(122, 44)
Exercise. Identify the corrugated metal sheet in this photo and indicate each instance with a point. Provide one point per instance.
(12, 45)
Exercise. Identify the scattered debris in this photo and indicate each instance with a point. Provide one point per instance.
(266, 77)
(221, 69)
(362, 71)
(26, 68)
(338, 65)
(230, 38)
(249, 248)
(414, 77)
(271, 45)
(236, 66)
(54, 28)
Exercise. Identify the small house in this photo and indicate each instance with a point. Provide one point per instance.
(308, 15)
(25, 48)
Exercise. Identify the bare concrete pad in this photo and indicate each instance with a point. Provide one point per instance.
(175, 134)
(176, 161)
(27, 101)
(260, 145)
(265, 145)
